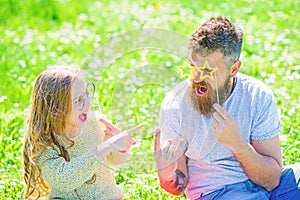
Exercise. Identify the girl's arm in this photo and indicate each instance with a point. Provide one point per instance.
(66, 176)
(109, 130)
(117, 158)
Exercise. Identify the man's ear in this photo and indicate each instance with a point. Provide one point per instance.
(235, 68)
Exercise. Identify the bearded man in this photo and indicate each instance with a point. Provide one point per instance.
(218, 136)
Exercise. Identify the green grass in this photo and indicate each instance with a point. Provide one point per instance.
(36, 33)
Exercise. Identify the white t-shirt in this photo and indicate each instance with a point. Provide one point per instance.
(211, 165)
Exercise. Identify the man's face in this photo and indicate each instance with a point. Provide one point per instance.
(210, 81)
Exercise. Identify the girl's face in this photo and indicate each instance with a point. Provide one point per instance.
(80, 107)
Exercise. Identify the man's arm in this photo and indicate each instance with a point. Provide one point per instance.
(171, 165)
(261, 161)
(177, 184)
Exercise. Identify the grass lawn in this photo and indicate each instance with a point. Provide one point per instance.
(133, 81)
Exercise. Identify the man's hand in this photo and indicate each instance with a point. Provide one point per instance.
(225, 129)
(260, 160)
(167, 155)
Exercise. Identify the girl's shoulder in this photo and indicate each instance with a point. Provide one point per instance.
(93, 123)
(91, 135)
(50, 152)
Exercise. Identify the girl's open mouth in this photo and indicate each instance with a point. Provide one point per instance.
(83, 117)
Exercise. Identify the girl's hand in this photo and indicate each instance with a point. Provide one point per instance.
(120, 142)
(110, 129)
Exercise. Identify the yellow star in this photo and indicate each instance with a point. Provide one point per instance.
(182, 69)
(206, 68)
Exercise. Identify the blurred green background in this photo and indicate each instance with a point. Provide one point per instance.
(39, 33)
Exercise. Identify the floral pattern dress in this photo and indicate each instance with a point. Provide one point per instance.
(68, 180)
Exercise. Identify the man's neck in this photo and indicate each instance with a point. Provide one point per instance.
(232, 86)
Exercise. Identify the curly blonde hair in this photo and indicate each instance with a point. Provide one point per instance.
(50, 108)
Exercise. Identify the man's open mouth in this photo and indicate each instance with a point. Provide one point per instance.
(201, 90)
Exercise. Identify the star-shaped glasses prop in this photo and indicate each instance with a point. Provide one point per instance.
(206, 71)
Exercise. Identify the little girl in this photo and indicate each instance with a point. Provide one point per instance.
(66, 148)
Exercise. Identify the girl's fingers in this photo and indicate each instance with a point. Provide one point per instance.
(135, 129)
(131, 131)
(111, 132)
(126, 149)
(107, 124)
(131, 140)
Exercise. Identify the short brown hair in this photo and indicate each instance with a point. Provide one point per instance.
(218, 34)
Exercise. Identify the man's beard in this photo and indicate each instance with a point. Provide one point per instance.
(204, 105)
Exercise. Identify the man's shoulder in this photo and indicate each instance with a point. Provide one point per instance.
(253, 85)
(175, 96)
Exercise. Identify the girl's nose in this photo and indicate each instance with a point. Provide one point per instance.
(88, 102)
